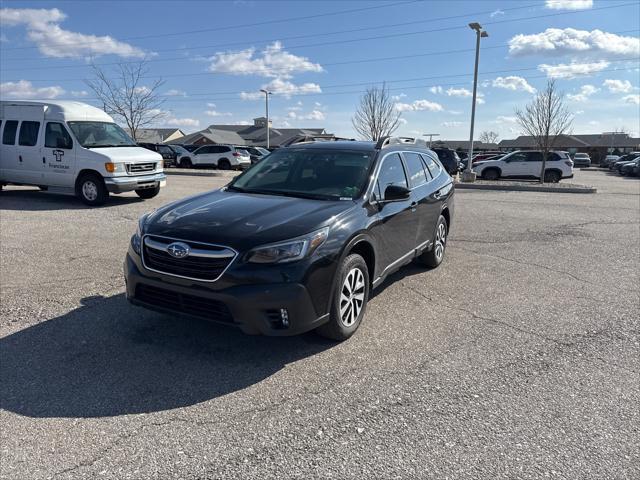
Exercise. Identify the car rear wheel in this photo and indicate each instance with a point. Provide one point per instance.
(148, 192)
(92, 190)
(186, 163)
(351, 294)
(491, 174)
(551, 176)
(432, 258)
(224, 164)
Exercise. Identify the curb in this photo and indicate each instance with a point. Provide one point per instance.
(524, 188)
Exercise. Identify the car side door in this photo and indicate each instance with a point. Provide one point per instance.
(427, 204)
(534, 164)
(397, 220)
(203, 155)
(516, 165)
(58, 155)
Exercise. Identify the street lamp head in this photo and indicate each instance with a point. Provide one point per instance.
(475, 26)
(265, 91)
(484, 34)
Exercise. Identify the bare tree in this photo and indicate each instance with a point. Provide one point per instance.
(126, 97)
(545, 119)
(376, 115)
(489, 136)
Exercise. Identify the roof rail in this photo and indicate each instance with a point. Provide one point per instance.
(313, 138)
(388, 141)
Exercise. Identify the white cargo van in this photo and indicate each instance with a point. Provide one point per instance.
(73, 148)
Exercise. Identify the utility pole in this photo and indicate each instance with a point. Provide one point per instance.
(468, 175)
(430, 135)
(266, 98)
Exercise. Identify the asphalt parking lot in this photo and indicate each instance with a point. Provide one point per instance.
(518, 358)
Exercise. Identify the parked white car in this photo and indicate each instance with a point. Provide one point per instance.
(73, 148)
(581, 160)
(526, 164)
(224, 157)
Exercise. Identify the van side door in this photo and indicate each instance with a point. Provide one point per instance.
(28, 149)
(58, 155)
(9, 164)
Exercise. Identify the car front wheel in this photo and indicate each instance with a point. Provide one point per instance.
(351, 295)
(92, 190)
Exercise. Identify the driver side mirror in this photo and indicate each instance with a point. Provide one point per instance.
(395, 193)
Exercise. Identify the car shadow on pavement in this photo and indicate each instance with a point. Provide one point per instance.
(35, 200)
(108, 358)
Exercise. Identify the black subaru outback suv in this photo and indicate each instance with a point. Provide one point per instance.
(298, 241)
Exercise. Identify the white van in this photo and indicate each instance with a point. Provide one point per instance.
(73, 148)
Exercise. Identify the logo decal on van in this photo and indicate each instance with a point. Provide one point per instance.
(58, 154)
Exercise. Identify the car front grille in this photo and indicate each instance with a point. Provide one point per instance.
(204, 262)
(179, 302)
(138, 168)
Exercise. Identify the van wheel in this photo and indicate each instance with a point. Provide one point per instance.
(351, 294)
(434, 257)
(185, 163)
(224, 164)
(551, 176)
(91, 189)
(148, 192)
(491, 174)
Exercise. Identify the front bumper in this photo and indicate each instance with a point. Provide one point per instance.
(255, 309)
(128, 184)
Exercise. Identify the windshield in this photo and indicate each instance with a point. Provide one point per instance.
(306, 173)
(178, 149)
(263, 151)
(100, 134)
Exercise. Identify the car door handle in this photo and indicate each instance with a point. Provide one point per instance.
(44, 160)
(20, 157)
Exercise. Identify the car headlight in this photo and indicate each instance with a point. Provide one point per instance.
(136, 239)
(114, 167)
(290, 250)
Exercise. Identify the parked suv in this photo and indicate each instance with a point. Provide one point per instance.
(167, 153)
(449, 158)
(225, 157)
(298, 241)
(581, 160)
(526, 164)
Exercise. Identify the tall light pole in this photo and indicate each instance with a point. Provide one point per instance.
(266, 98)
(430, 135)
(468, 175)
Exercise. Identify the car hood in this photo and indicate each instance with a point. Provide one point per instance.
(241, 220)
(126, 154)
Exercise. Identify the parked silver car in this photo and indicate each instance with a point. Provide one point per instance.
(581, 160)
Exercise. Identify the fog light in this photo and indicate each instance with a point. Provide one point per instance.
(284, 317)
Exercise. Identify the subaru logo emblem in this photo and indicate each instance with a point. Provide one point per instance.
(178, 250)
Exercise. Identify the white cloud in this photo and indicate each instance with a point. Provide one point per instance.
(505, 119)
(182, 122)
(215, 113)
(79, 93)
(569, 4)
(436, 89)
(402, 121)
(560, 41)
(313, 115)
(176, 93)
(618, 86)
(495, 13)
(53, 41)
(419, 105)
(585, 92)
(633, 99)
(282, 87)
(572, 70)
(513, 82)
(142, 90)
(317, 104)
(23, 89)
(397, 98)
(451, 124)
(274, 62)
(459, 92)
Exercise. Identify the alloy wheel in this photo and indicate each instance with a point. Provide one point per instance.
(441, 239)
(352, 297)
(90, 190)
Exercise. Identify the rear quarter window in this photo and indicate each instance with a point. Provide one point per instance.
(9, 133)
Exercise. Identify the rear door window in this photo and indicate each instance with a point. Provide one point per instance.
(9, 134)
(28, 136)
(417, 175)
(534, 156)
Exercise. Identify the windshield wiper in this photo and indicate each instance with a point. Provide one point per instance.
(96, 145)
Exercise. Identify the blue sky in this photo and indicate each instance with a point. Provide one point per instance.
(215, 55)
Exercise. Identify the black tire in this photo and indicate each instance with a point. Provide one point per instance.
(433, 257)
(336, 328)
(491, 174)
(551, 176)
(147, 193)
(185, 163)
(224, 164)
(90, 188)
